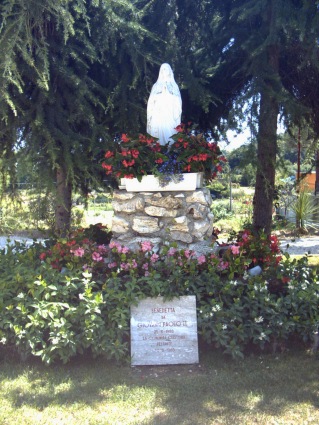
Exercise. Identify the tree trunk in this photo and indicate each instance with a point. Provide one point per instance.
(63, 202)
(317, 174)
(266, 150)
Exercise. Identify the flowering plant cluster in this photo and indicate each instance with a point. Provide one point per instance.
(250, 250)
(84, 248)
(190, 152)
(114, 259)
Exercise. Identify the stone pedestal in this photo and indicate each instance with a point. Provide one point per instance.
(163, 217)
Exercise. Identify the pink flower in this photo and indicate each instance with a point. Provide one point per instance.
(201, 259)
(125, 266)
(235, 249)
(171, 251)
(145, 266)
(223, 265)
(112, 265)
(154, 258)
(134, 263)
(79, 252)
(114, 244)
(102, 249)
(146, 246)
(245, 236)
(120, 249)
(96, 256)
(188, 253)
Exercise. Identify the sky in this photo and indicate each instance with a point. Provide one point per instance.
(235, 140)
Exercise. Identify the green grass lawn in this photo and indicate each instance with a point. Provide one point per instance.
(267, 389)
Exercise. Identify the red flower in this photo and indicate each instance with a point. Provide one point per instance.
(109, 154)
(128, 163)
(156, 147)
(203, 156)
(42, 256)
(135, 153)
(278, 259)
(71, 243)
(180, 128)
(108, 168)
(159, 161)
(125, 152)
(124, 138)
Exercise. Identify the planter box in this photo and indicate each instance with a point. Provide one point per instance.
(191, 181)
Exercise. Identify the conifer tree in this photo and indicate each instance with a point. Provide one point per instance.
(68, 68)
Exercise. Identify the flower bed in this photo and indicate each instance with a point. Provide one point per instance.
(74, 296)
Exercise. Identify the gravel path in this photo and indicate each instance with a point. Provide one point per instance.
(4, 240)
(301, 245)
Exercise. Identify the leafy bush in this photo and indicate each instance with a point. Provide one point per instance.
(56, 304)
(219, 188)
(220, 209)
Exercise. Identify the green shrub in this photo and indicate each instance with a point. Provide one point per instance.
(220, 209)
(219, 188)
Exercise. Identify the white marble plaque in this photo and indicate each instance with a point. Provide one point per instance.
(164, 333)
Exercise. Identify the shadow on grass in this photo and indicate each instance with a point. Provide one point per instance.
(218, 389)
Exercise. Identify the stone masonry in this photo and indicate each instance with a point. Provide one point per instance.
(163, 217)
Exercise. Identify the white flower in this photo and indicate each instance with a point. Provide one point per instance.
(259, 319)
(224, 327)
(262, 336)
(216, 307)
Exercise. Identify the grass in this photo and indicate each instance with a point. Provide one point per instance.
(313, 260)
(263, 389)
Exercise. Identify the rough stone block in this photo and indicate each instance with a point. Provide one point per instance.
(145, 225)
(129, 206)
(120, 225)
(160, 212)
(181, 236)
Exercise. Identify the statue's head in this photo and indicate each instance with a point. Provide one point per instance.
(166, 73)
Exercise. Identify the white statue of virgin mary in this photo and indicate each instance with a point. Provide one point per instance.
(164, 106)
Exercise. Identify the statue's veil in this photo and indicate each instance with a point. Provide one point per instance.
(165, 78)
